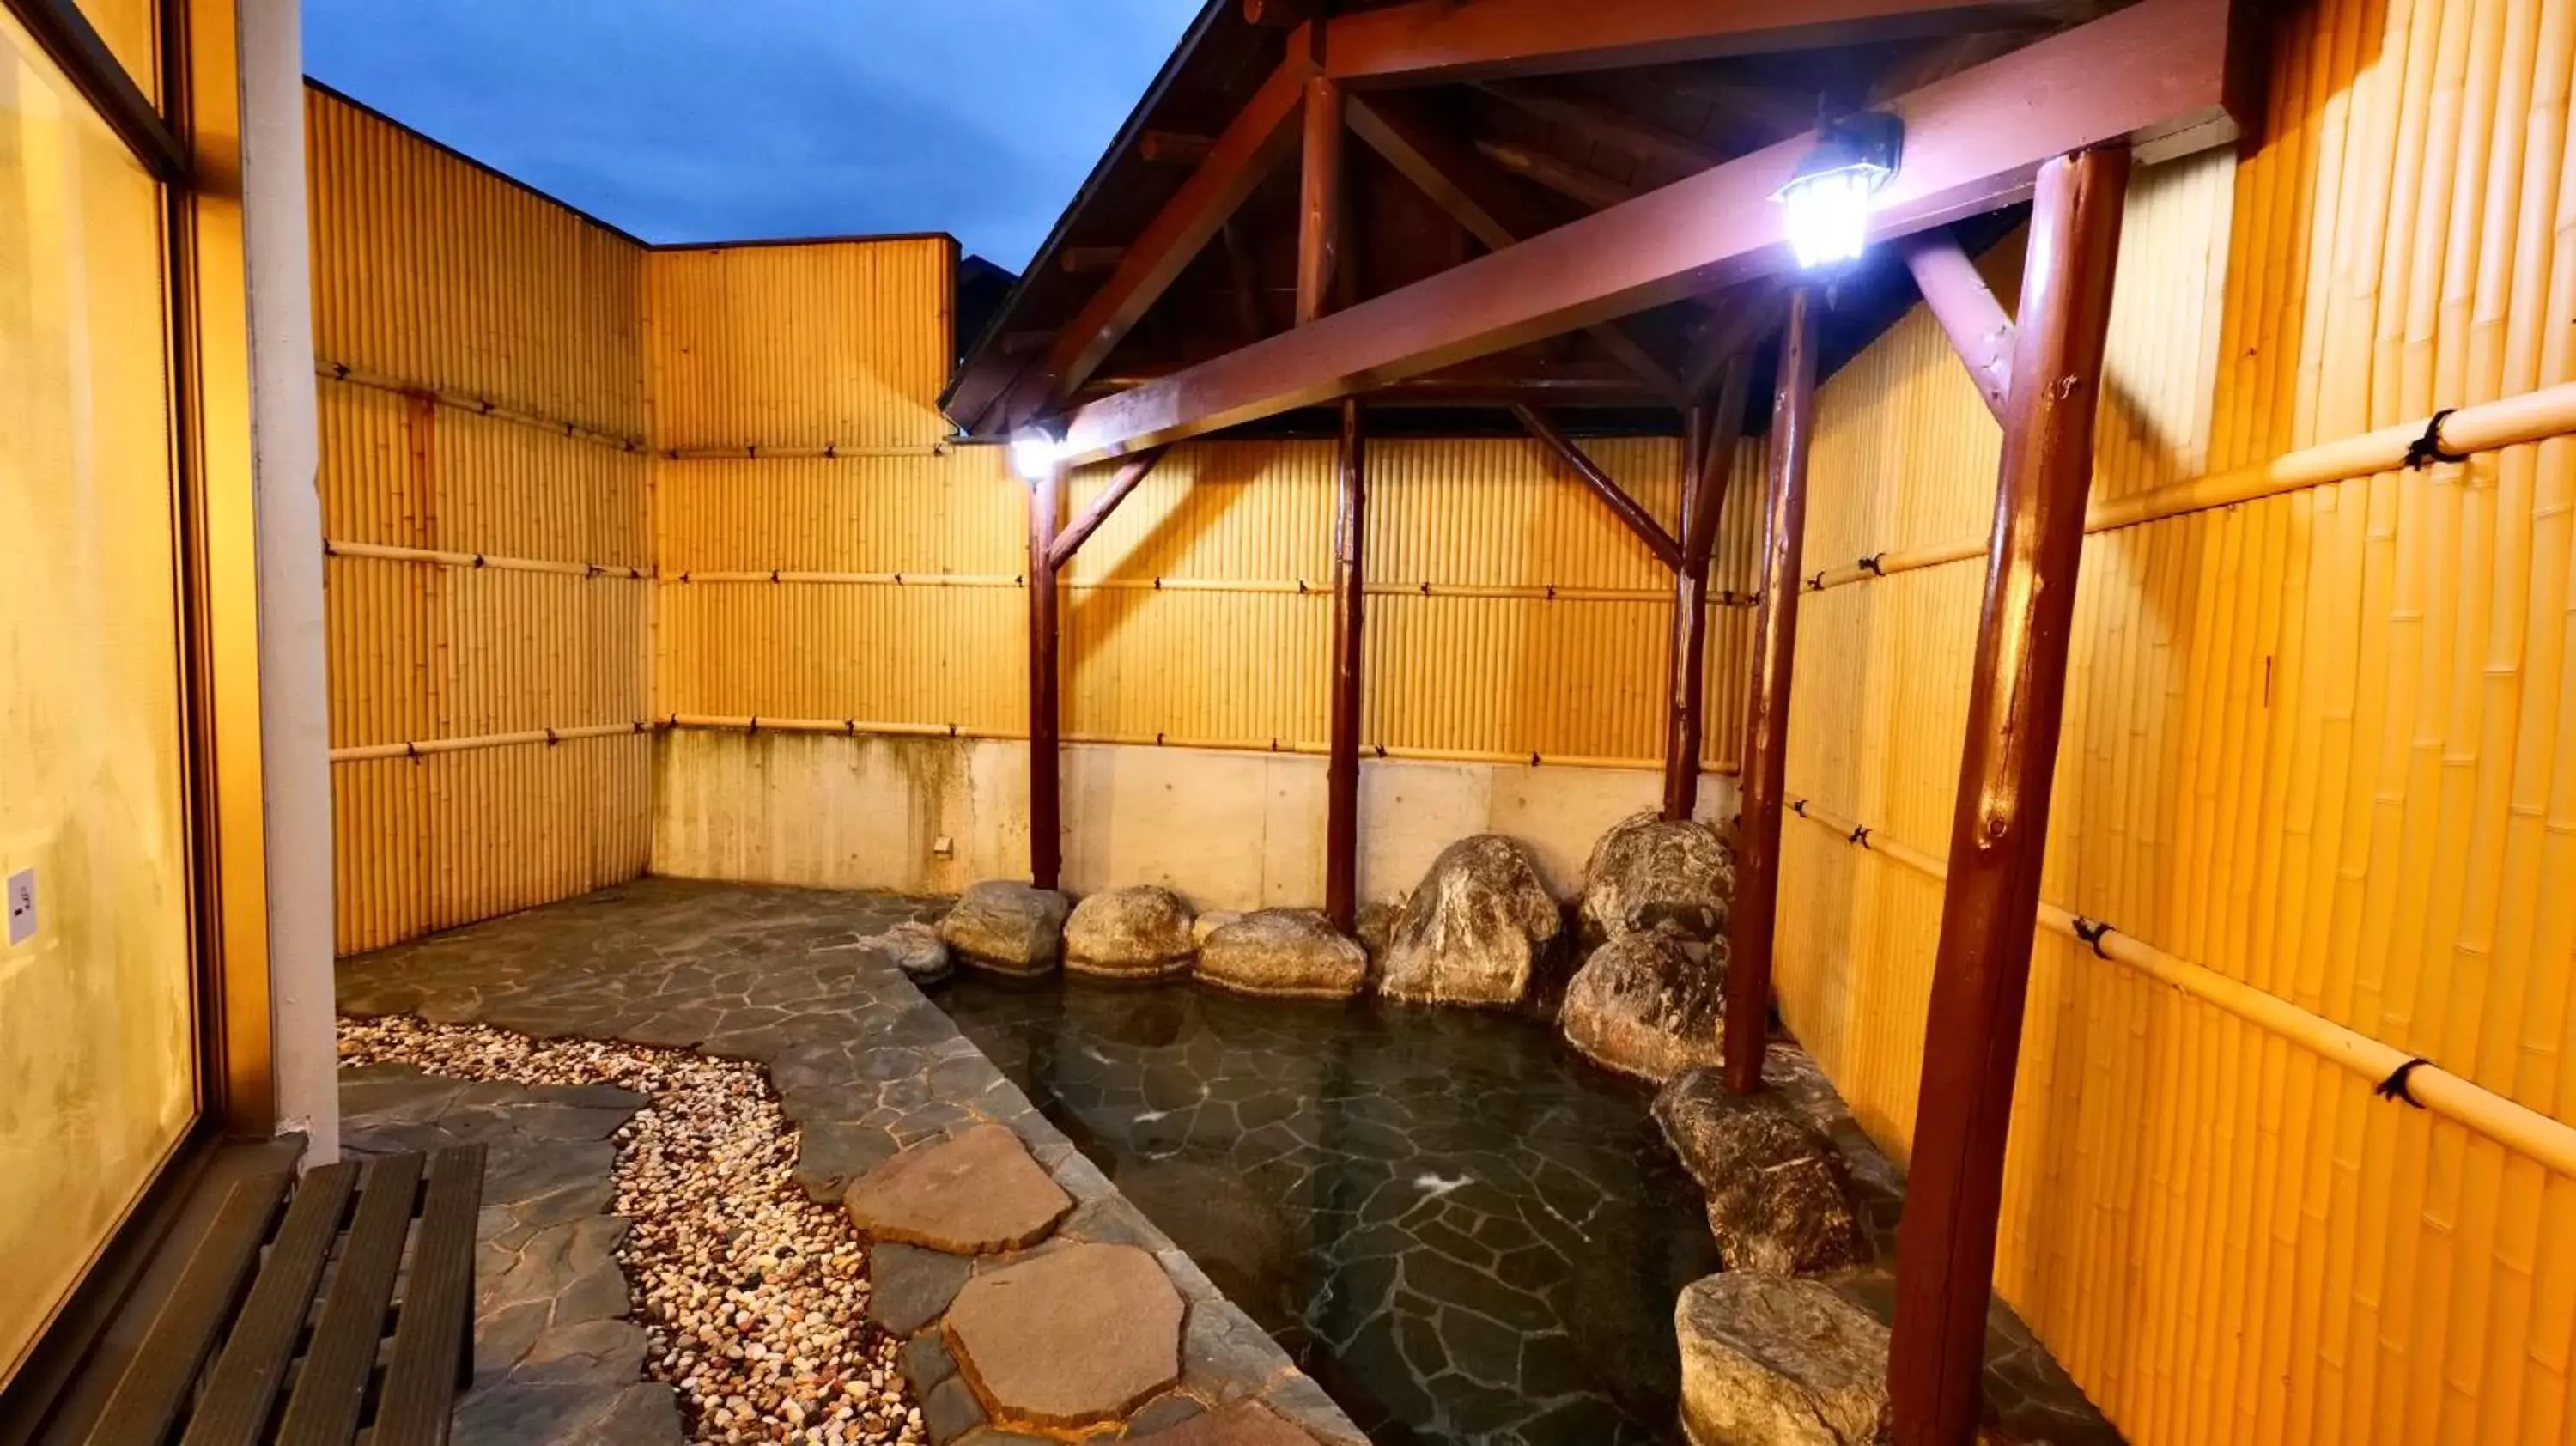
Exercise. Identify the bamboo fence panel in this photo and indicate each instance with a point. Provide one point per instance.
(486, 516)
(824, 344)
(2313, 746)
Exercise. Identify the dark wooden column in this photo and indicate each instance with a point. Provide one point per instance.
(1319, 200)
(1046, 806)
(1999, 831)
(1766, 720)
(1350, 598)
(1708, 451)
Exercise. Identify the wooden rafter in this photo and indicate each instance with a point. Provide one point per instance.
(1640, 140)
(1590, 188)
(1259, 137)
(1483, 204)
(2156, 73)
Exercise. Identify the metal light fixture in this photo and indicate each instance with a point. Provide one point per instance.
(1035, 452)
(1827, 201)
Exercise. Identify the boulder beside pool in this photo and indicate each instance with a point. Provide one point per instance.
(1771, 1361)
(1283, 953)
(1476, 929)
(1007, 927)
(1643, 1005)
(1650, 874)
(1132, 933)
(1780, 1197)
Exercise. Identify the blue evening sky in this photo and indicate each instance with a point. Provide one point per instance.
(712, 120)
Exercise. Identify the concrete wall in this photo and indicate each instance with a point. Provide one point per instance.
(1228, 830)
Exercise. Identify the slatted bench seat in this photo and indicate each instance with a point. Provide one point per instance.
(274, 1330)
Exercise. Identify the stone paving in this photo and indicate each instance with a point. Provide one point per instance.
(555, 1358)
(862, 1063)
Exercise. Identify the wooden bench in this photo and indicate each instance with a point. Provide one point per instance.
(280, 1314)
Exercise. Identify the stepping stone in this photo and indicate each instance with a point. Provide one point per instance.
(971, 1195)
(1245, 1423)
(1071, 1337)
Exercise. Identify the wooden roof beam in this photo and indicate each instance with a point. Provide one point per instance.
(1442, 41)
(1483, 204)
(2157, 74)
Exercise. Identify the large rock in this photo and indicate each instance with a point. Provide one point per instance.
(1768, 1361)
(1007, 927)
(1779, 1195)
(1652, 875)
(1642, 1005)
(1131, 933)
(1292, 953)
(1476, 929)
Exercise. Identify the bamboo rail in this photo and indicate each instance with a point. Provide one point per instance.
(828, 452)
(481, 560)
(1529, 592)
(2517, 1127)
(2533, 416)
(852, 579)
(423, 748)
(479, 406)
(860, 728)
(851, 727)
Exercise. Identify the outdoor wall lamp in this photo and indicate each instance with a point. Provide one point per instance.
(1827, 201)
(1035, 452)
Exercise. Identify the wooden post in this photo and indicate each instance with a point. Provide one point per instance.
(1046, 807)
(1766, 722)
(1342, 769)
(1999, 829)
(1708, 450)
(1319, 197)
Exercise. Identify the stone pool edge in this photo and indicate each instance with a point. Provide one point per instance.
(866, 1065)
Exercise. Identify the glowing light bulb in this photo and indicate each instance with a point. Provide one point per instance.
(1034, 454)
(1828, 217)
(1826, 204)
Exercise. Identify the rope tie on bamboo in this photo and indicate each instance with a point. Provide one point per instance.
(1798, 806)
(2426, 450)
(773, 574)
(339, 371)
(2394, 1087)
(1533, 759)
(552, 738)
(478, 559)
(755, 723)
(1816, 583)
(1859, 834)
(831, 451)
(411, 750)
(1870, 564)
(2091, 932)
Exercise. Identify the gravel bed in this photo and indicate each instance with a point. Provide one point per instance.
(753, 1297)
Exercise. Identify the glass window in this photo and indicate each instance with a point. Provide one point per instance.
(97, 1068)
